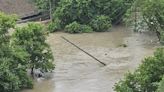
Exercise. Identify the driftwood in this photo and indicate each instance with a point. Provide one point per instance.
(83, 51)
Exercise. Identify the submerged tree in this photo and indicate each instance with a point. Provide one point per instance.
(32, 38)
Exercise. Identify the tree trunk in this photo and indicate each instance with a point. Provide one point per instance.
(32, 71)
(158, 35)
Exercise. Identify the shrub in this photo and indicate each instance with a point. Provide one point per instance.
(161, 86)
(13, 75)
(54, 26)
(73, 28)
(78, 28)
(100, 23)
(86, 29)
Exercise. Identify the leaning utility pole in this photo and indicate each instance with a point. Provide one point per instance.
(135, 20)
(50, 9)
(83, 51)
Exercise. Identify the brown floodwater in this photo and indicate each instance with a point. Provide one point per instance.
(77, 72)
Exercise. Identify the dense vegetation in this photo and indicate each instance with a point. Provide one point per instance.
(148, 14)
(161, 86)
(45, 5)
(153, 15)
(91, 13)
(32, 39)
(17, 51)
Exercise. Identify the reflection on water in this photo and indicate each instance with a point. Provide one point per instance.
(77, 72)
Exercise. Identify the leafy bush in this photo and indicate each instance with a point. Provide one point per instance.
(153, 15)
(13, 75)
(9, 81)
(161, 86)
(78, 28)
(54, 26)
(84, 12)
(73, 28)
(86, 29)
(146, 77)
(100, 23)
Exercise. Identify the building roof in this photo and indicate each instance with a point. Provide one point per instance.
(22, 8)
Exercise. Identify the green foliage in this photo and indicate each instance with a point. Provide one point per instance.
(78, 28)
(44, 5)
(6, 22)
(100, 23)
(73, 28)
(123, 85)
(32, 39)
(161, 86)
(9, 81)
(146, 77)
(26, 49)
(115, 9)
(69, 11)
(84, 11)
(54, 26)
(12, 59)
(18, 65)
(153, 15)
(86, 29)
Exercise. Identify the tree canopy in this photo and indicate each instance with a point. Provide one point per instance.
(85, 11)
(16, 56)
(12, 59)
(32, 39)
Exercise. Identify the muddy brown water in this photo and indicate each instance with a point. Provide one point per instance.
(77, 72)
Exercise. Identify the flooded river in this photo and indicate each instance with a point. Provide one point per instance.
(77, 72)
